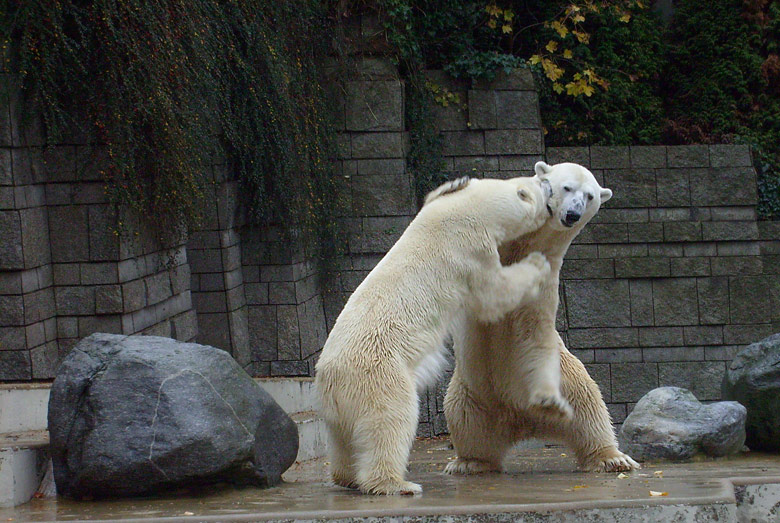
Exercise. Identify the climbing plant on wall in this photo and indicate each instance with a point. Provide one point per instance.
(172, 88)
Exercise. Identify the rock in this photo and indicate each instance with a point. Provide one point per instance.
(134, 415)
(670, 423)
(753, 379)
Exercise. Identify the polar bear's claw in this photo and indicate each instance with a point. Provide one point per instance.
(469, 466)
(619, 463)
(402, 488)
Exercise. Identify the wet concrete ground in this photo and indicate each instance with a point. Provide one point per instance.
(541, 479)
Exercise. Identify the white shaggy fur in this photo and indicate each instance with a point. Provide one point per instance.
(515, 379)
(392, 328)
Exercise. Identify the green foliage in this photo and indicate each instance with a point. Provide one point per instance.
(174, 87)
(425, 158)
(627, 58)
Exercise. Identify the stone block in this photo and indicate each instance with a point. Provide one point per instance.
(620, 355)
(379, 195)
(69, 233)
(12, 310)
(584, 355)
(450, 118)
(35, 237)
(675, 302)
(701, 378)
(10, 282)
(382, 166)
(7, 201)
(723, 155)
(580, 155)
(184, 327)
(582, 252)
(737, 266)
(290, 368)
(700, 250)
(133, 295)
(602, 376)
(749, 301)
(482, 109)
(641, 292)
(673, 187)
(343, 146)
(374, 105)
(256, 293)
(111, 324)
(59, 163)
(682, 267)
(98, 273)
(517, 110)
(746, 334)
(6, 170)
(604, 233)
(39, 305)
(313, 330)
(650, 354)
(688, 156)
(746, 248)
(682, 231)
(631, 187)
(631, 381)
(681, 214)
(378, 234)
(475, 165)
(661, 336)
(642, 268)
(725, 186)
(75, 301)
(378, 145)
(621, 250)
(703, 335)
(598, 303)
(609, 157)
(463, 143)
(574, 269)
(214, 330)
(44, 361)
(158, 288)
(235, 299)
(288, 333)
(648, 156)
(15, 365)
(514, 141)
(67, 327)
(645, 232)
(209, 302)
(281, 293)
(713, 299)
(108, 299)
(722, 353)
(523, 163)
(602, 338)
(729, 231)
(735, 214)
(11, 252)
(262, 333)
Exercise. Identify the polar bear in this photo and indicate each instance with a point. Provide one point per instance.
(501, 368)
(396, 321)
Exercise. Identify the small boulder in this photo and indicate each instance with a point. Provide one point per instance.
(753, 379)
(134, 415)
(670, 423)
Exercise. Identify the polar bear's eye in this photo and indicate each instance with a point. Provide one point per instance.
(567, 188)
(590, 196)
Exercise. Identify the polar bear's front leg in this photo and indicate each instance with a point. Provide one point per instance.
(499, 291)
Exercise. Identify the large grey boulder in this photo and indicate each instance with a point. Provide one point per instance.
(753, 379)
(670, 423)
(133, 415)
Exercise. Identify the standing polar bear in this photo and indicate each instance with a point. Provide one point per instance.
(502, 368)
(392, 329)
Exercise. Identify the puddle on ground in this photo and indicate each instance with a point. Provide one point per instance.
(537, 478)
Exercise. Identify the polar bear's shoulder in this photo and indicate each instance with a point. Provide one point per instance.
(447, 188)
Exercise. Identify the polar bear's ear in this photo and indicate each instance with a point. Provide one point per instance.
(542, 168)
(606, 194)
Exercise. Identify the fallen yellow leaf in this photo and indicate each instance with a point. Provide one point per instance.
(622, 475)
(658, 473)
(580, 486)
(654, 493)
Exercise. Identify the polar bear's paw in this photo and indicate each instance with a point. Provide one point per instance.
(470, 466)
(616, 462)
(394, 488)
(343, 481)
(551, 404)
(538, 260)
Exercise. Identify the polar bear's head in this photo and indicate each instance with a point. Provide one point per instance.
(576, 195)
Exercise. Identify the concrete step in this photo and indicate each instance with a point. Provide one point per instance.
(23, 406)
(312, 436)
(24, 457)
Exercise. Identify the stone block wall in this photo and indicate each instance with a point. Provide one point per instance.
(66, 271)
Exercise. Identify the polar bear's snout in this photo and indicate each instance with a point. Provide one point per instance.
(574, 212)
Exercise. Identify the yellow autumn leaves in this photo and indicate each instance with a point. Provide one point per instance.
(498, 16)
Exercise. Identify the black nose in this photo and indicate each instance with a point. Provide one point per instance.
(572, 217)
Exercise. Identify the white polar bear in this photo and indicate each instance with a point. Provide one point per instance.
(502, 368)
(397, 319)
